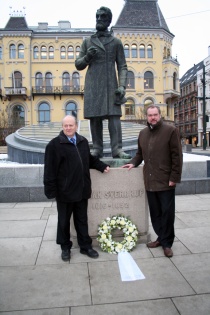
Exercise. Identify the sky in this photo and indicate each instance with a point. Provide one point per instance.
(187, 19)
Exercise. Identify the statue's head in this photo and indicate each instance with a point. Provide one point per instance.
(103, 18)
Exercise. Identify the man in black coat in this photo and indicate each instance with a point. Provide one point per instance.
(67, 178)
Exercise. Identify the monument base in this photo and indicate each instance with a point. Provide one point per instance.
(119, 192)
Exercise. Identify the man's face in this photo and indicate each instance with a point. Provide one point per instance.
(69, 126)
(153, 116)
(102, 20)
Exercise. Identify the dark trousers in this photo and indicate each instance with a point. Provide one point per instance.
(79, 210)
(162, 213)
(115, 132)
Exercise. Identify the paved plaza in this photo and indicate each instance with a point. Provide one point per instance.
(35, 281)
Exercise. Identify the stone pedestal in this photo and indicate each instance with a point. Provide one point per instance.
(119, 192)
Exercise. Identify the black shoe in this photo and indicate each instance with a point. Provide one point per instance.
(65, 255)
(89, 252)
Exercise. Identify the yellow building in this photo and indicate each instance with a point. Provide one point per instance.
(39, 82)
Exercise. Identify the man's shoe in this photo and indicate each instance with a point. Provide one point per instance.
(153, 244)
(122, 155)
(168, 252)
(65, 255)
(89, 252)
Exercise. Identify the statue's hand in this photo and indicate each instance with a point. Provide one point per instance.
(120, 92)
(90, 53)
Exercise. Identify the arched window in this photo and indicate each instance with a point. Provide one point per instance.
(77, 51)
(17, 79)
(63, 52)
(174, 80)
(75, 81)
(70, 52)
(51, 52)
(18, 116)
(36, 52)
(44, 113)
(149, 51)
(39, 82)
(142, 51)
(129, 107)
(0, 52)
(134, 51)
(48, 81)
(43, 52)
(66, 82)
(71, 109)
(126, 51)
(20, 51)
(148, 80)
(130, 80)
(12, 51)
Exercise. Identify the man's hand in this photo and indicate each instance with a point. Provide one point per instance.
(90, 53)
(171, 184)
(120, 91)
(128, 166)
(107, 169)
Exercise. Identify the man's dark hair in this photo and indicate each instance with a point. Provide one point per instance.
(153, 106)
(107, 11)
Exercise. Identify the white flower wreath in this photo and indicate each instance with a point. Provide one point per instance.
(105, 240)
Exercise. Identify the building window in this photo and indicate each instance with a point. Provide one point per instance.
(174, 80)
(66, 82)
(39, 82)
(134, 51)
(44, 113)
(51, 52)
(48, 81)
(70, 52)
(12, 51)
(17, 79)
(129, 107)
(0, 52)
(75, 81)
(63, 52)
(142, 51)
(18, 116)
(149, 51)
(71, 109)
(36, 52)
(126, 51)
(77, 51)
(20, 51)
(130, 80)
(43, 52)
(148, 80)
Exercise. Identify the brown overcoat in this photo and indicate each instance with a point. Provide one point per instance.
(160, 149)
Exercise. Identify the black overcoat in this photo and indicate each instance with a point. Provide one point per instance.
(67, 169)
(101, 79)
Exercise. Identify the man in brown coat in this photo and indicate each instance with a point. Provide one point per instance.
(159, 147)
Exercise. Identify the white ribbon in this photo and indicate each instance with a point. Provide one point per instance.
(129, 270)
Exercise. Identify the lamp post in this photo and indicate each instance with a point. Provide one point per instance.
(203, 80)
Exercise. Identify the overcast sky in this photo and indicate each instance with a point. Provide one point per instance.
(188, 20)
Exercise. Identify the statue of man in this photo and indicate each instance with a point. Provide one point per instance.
(104, 92)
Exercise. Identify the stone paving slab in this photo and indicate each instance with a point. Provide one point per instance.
(155, 286)
(31, 228)
(19, 214)
(193, 205)
(55, 311)
(195, 239)
(194, 219)
(162, 307)
(196, 270)
(19, 252)
(189, 305)
(38, 287)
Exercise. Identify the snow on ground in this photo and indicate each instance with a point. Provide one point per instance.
(187, 157)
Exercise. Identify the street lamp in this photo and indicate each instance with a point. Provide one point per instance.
(203, 80)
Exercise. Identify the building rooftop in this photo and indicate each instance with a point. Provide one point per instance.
(191, 74)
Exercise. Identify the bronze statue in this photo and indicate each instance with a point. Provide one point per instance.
(104, 92)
